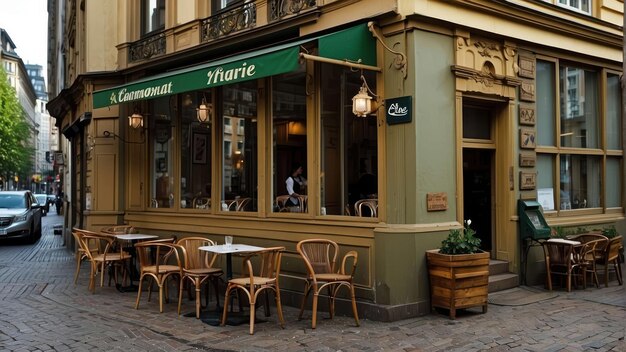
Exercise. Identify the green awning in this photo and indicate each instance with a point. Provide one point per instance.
(257, 64)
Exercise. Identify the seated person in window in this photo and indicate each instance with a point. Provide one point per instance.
(296, 185)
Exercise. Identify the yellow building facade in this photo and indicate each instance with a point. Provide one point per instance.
(190, 117)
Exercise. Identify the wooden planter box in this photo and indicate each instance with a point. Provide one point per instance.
(458, 281)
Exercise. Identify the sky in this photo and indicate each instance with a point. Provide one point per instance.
(26, 22)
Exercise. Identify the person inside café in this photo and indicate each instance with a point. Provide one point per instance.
(296, 185)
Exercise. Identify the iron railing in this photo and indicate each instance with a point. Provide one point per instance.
(279, 9)
(231, 20)
(147, 48)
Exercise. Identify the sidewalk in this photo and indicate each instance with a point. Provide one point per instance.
(41, 309)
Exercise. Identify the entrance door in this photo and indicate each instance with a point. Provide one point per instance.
(479, 149)
(477, 193)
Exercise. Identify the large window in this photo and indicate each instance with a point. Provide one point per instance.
(289, 137)
(195, 146)
(152, 15)
(575, 148)
(583, 6)
(162, 147)
(240, 151)
(349, 145)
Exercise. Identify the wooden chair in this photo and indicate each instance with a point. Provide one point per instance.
(118, 229)
(99, 250)
(201, 203)
(239, 204)
(253, 283)
(198, 268)
(159, 261)
(281, 203)
(81, 255)
(560, 260)
(595, 247)
(611, 256)
(370, 204)
(320, 256)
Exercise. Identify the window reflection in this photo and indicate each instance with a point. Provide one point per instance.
(195, 143)
(580, 181)
(239, 126)
(289, 133)
(579, 108)
(349, 152)
(161, 144)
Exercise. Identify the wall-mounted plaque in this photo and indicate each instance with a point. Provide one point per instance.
(526, 66)
(527, 91)
(527, 180)
(437, 201)
(527, 159)
(399, 110)
(527, 114)
(527, 138)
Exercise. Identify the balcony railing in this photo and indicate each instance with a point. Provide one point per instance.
(279, 9)
(230, 21)
(147, 48)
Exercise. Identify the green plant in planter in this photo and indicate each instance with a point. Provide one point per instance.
(461, 241)
(609, 232)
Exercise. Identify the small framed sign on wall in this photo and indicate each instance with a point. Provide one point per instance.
(399, 110)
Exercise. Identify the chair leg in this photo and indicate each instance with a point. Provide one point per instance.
(279, 308)
(79, 261)
(307, 289)
(161, 296)
(548, 274)
(139, 292)
(606, 274)
(225, 310)
(314, 309)
(252, 312)
(180, 293)
(618, 271)
(331, 300)
(354, 311)
(197, 284)
(216, 284)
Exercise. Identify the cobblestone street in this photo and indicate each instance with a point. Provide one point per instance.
(42, 310)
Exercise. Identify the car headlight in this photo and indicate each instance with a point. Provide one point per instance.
(21, 217)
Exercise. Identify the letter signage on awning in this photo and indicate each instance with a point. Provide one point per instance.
(355, 44)
(211, 75)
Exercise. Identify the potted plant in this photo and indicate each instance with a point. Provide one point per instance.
(458, 272)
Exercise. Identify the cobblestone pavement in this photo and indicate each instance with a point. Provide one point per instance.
(42, 310)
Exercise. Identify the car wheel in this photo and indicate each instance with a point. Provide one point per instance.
(32, 237)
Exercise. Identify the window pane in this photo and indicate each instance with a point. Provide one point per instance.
(476, 123)
(579, 108)
(289, 133)
(545, 181)
(195, 144)
(349, 152)
(613, 184)
(546, 109)
(239, 128)
(153, 15)
(580, 181)
(161, 143)
(613, 113)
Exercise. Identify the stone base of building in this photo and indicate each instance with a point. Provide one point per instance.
(367, 310)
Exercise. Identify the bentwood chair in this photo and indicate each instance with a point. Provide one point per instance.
(366, 208)
(320, 256)
(595, 246)
(81, 255)
(198, 268)
(609, 257)
(560, 260)
(98, 249)
(158, 261)
(252, 283)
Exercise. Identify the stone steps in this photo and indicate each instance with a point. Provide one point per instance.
(499, 276)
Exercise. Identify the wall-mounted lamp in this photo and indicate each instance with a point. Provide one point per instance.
(205, 111)
(136, 119)
(362, 102)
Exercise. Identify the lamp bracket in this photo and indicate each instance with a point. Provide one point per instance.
(400, 62)
(110, 134)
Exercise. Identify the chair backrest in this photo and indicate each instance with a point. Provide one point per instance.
(370, 204)
(612, 249)
(170, 240)
(201, 203)
(280, 202)
(560, 253)
(93, 243)
(239, 204)
(151, 253)
(194, 258)
(118, 229)
(269, 266)
(319, 255)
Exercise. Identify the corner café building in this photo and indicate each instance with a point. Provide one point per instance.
(455, 152)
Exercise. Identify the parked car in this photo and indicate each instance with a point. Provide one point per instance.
(42, 199)
(20, 216)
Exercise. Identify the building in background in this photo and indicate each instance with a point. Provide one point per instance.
(188, 118)
(43, 177)
(27, 96)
